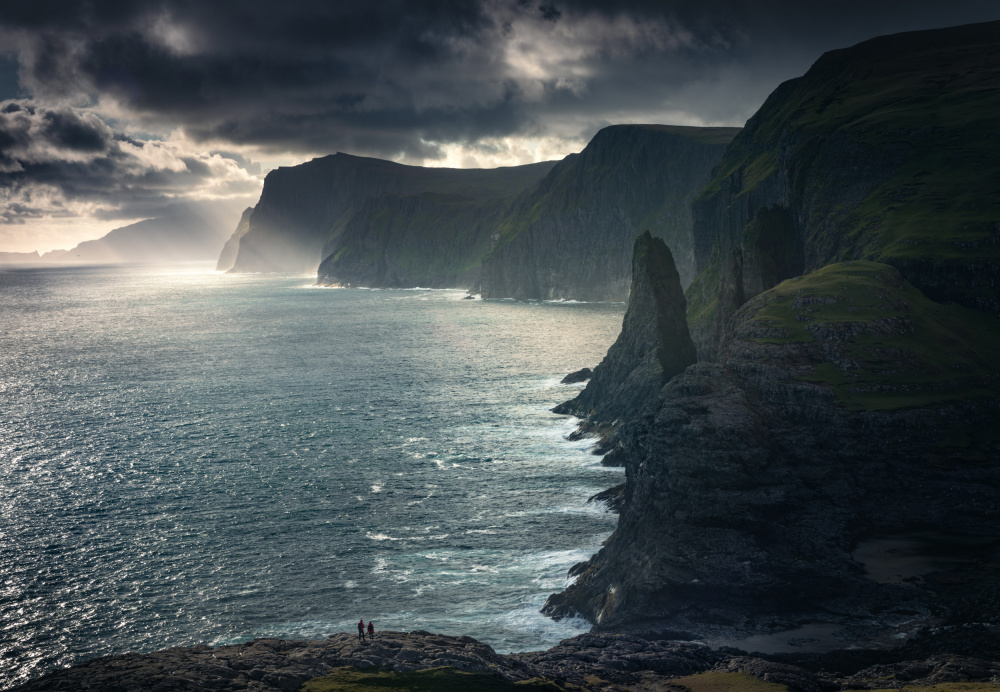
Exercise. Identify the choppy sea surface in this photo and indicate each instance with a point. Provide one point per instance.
(189, 457)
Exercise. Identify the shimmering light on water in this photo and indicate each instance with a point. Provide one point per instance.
(190, 457)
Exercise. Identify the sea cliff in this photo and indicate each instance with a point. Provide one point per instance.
(654, 344)
(830, 463)
(571, 237)
(845, 409)
(554, 230)
(310, 212)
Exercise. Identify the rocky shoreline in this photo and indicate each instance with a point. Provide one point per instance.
(586, 662)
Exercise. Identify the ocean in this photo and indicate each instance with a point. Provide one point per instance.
(191, 457)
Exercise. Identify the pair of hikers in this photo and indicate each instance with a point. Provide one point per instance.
(361, 630)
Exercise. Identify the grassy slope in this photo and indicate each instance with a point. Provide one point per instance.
(704, 135)
(936, 93)
(950, 353)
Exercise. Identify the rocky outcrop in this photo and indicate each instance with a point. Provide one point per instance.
(571, 237)
(654, 344)
(309, 212)
(266, 665)
(227, 258)
(589, 662)
(845, 409)
(581, 375)
(832, 168)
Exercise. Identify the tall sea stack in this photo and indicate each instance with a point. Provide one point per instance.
(654, 344)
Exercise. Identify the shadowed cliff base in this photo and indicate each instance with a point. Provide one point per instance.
(846, 410)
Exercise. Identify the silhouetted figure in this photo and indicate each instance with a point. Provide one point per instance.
(361, 630)
(371, 631)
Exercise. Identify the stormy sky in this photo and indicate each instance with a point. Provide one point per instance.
(114, 111)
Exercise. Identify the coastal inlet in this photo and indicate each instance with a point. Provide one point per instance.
(190, 457)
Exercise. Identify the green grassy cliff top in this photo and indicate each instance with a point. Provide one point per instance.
(884, 345)
(704, 135)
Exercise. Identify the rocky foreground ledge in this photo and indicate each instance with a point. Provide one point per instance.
(586, 662)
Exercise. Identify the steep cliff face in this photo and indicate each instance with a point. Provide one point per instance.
(884, 151)
(227, 258)
(845, 409)
(428, 240)
(654, 344)
(571, 237)
(304, 210)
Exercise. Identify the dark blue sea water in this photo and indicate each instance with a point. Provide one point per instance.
(190, 457)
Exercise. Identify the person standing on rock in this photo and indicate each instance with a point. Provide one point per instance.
(371, 631)
(361, 629)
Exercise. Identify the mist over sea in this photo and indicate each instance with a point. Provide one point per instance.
(188, 457)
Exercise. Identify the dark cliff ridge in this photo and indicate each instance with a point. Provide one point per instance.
(227, 258)
(837, 465)
(654, 344)
(885, 151)
(571, 236)
(421, 661)
(304, 210)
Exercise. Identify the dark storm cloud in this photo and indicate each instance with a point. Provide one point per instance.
(397, 78)
(390, 78)
(52, 160)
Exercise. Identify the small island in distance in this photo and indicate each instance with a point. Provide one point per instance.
(805, 393)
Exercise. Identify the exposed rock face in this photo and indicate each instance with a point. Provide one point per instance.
(835, 415)
(579, 376)
(654, 344)
(227, 258)
(305, 210)
(571, 237)
(426, 240)
(883, 151)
